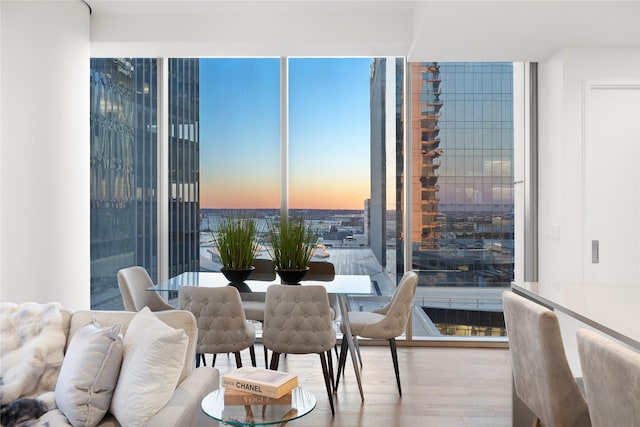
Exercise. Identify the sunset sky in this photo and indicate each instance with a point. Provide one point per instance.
(328, 133)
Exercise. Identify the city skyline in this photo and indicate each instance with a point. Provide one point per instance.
(328, 133)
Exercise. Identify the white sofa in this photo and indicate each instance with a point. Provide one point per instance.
(183, 406)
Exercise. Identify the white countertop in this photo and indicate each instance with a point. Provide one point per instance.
(611, 308)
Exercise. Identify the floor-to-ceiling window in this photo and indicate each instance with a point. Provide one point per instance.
(240, 145)
(327, 148)
(349, 150)
(329, 154)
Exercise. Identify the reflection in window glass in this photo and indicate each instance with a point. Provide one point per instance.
(123, 168)
(462, 230)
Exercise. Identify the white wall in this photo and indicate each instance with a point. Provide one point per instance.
(44, 153)
(560, 182)
(564, 235)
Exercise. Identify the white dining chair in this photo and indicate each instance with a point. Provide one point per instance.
(134, 283)
(222, 327)
(253, 303)
(387, 323)
(297, 320)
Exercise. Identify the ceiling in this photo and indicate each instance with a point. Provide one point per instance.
(423, 30)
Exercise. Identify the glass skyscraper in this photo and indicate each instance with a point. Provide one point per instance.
(184, 165)
(124, 170)
(462, 171)
(465, 173)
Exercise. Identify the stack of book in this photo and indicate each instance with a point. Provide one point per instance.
(257, 386)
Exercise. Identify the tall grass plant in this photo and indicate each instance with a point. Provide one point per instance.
(236, 239)
(292, 243)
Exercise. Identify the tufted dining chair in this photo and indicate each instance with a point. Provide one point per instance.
(265, 269)
(386, 323)
(253, 303)
(297, 320)
(541, 373)
(611, 375)
(325, 271)
(222, 326)
(133, 283)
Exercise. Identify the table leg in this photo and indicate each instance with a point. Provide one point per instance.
(344, 310)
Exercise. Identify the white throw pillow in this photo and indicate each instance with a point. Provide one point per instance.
(89, 374)
(152, 363)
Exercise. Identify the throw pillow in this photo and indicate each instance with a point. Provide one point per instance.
(89, 374)
(153, 359)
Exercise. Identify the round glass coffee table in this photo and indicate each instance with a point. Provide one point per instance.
(250, 411)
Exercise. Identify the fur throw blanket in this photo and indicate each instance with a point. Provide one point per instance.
(32, 342)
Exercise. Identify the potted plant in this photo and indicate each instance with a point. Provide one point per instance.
(236, 239)
(291, 248)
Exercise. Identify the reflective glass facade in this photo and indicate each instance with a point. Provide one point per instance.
(460, 168)
(124, 169)
(462, 179)
(184, 165)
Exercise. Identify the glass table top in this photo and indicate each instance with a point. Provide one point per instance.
(341, 284)
(238, 413)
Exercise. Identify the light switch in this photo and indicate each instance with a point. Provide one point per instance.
(595, 251)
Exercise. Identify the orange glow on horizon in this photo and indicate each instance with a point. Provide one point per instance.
(320, 197)
(317, 197)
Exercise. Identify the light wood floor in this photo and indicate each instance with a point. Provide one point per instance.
(441, 387)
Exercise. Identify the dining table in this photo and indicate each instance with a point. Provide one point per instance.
(342, 286)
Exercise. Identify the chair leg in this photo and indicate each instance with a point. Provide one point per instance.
(238, 359)
(343, 356)
(252, 352)
(330, 365)
(213, 361)
(266, 357)
(327, 381)
(394, 356)
(275, 361)
(200, 356)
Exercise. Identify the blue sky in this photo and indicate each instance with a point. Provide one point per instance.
(328, 132)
